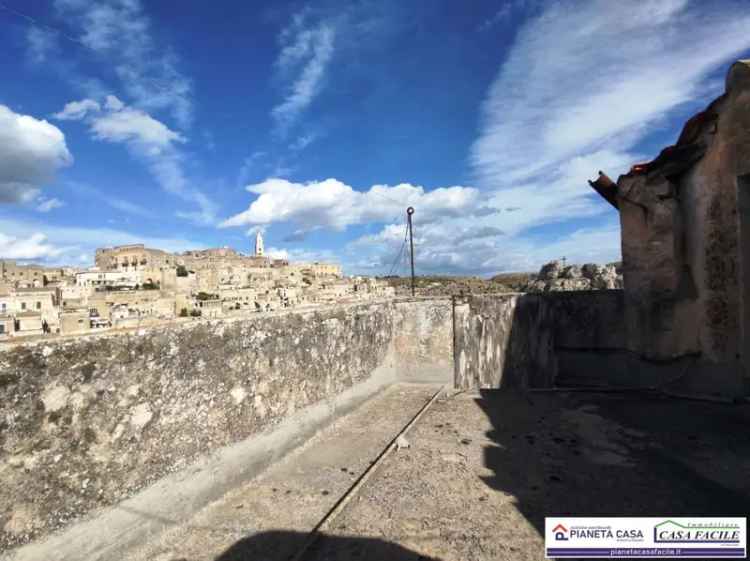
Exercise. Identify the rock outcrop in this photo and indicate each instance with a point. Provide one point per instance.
(554, 276)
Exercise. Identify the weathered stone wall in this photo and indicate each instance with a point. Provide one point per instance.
(535, 340)
(481, 335)
(424, 340)
(743, 216)
(86, 422)
(683, 242)
(570, 339)
(503, 340)
(590, 320)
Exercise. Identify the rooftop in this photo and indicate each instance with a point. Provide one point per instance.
(481, 472)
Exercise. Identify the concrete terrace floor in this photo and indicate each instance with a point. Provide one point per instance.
(482, 472)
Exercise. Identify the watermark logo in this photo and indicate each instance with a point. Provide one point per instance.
(561, 533)
(670, 531)
(623, 537)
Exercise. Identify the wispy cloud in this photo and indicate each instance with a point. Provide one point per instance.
(595, 72)
(76, 110)
(110, 199)
(306, 51)
(500, 15)
(119, 32)
(582, 87)
(47, 205)
(40, 42)
(149, 140)
(311, 41)
(303, 141)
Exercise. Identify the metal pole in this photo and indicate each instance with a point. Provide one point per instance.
(409, 212)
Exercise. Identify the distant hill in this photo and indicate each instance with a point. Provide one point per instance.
(513, 280)
(441, 285)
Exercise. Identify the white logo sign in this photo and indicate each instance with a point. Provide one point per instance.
(707, 538)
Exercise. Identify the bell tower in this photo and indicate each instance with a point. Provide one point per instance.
(258, 245)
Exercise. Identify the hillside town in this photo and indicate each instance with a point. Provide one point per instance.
(134, 286)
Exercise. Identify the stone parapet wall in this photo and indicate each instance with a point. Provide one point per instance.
(503, 340)
(517, 339)
(424, 340)
(588, 319)
(87, 422)
(572, 340)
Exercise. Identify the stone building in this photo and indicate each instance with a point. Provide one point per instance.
(134, 257)
(209, 307)
(34, 310)
(116, 306)
(685, 219)
(103, 279)
(316, 269)
(75, 321)
(13, 274)
(215, 258)
(233, 299)
(133, 285)
(28, 311)
(7, 326)
(29, 324)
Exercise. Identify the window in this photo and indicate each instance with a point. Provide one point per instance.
(38, 305)
(23, 305)
(2, 328)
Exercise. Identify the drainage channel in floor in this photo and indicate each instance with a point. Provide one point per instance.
(279, 515)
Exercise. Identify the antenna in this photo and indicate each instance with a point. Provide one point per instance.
(409, 212)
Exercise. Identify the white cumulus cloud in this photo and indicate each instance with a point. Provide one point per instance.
(33, 247)
(31, 151)
(335, 205)
(30, 241)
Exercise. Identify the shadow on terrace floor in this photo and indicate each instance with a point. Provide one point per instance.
(284, 545)
(595, 454)
(556, 454)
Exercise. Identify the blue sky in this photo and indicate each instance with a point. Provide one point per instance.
(318, 123)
